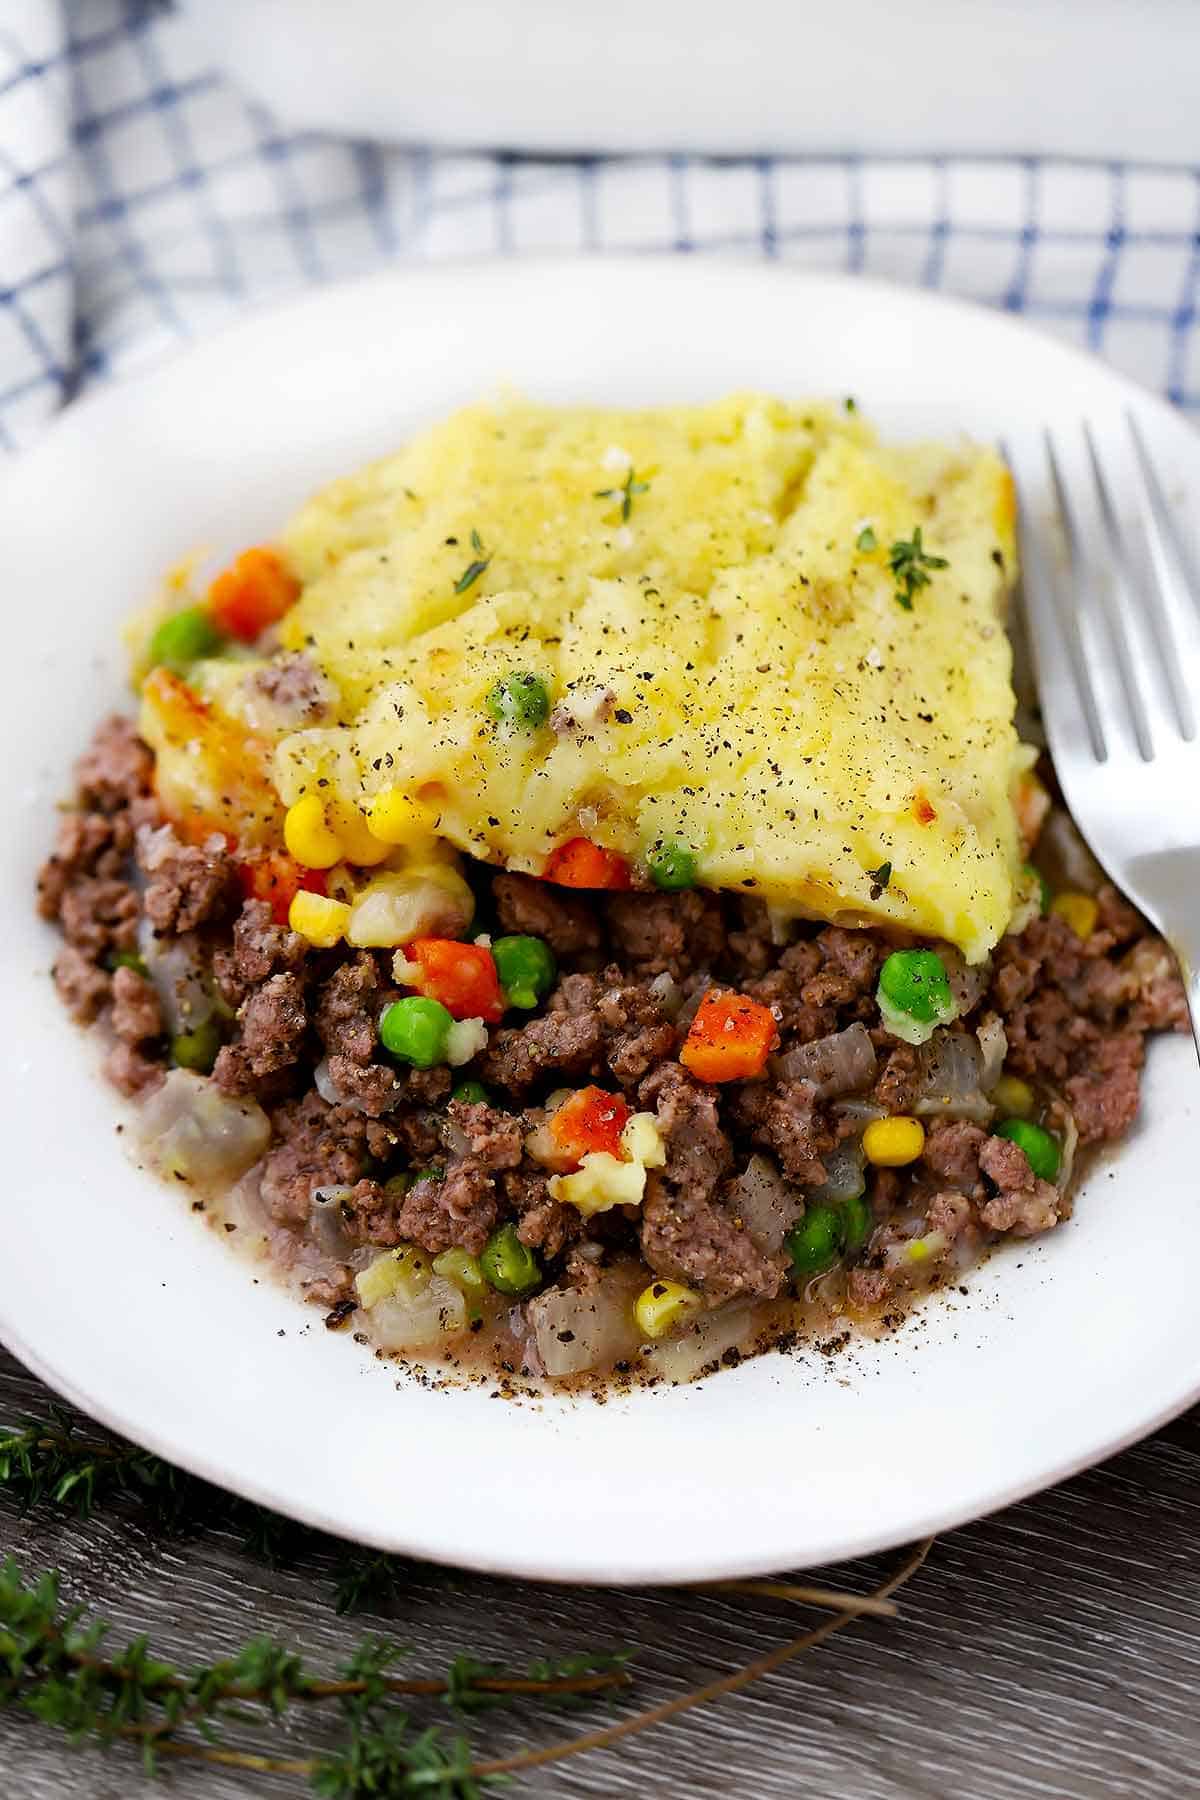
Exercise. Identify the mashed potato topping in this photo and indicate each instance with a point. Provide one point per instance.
(763, 638)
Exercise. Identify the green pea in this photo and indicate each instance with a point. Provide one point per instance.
(857, 1223)
(183, 639)
(520, 699)
(1041, 1150)
(510, 1265)
(672, 868)
(416, 1030)
(197, 1049)
(816, 1242)
(127, 959)
(471, 1093)
(526, 968)
(915, 982)
(1043, 887)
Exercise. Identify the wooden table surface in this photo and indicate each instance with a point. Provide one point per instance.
(1053, 1650)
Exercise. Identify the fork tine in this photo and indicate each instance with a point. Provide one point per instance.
(1054, 633)
(1172, 564)
(1151, 609)
(1093, 595)
(1067, 618)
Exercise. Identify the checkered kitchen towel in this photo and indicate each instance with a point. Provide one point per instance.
(143, 200)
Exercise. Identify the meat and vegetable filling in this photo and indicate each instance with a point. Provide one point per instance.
(579, 1124)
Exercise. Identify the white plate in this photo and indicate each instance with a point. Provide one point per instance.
(1061, 1352)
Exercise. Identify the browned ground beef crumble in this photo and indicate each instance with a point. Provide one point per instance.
(1075, 1013)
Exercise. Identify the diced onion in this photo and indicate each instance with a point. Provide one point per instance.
(845, 1176)
(950, 1085)
(705, 1340)
(842, 1063)
(188, 1128)
(419, 1321)
(173, 965)
(667, 991)
(767, 1204)
(993, 1048)
(575, 1330)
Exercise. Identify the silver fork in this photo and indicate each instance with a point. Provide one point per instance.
(1113, 613)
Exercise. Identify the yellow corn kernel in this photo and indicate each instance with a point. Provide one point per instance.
(1079, 910)
(395, 818)
(664, 1306)
(307, 835)
(890, 1143)
(321, 920)
(1013, 1096)
(359, 843)
(641, 1141)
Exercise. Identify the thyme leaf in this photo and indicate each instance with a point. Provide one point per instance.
(474, 569)
(910, 563)
(625, 493)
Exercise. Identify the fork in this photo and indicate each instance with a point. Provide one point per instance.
(1113, 615)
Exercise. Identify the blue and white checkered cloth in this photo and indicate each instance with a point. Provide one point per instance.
(143, 200)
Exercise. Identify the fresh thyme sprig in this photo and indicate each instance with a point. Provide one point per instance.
(54, 1666)
(47, 1462)
(910, 563)
(625, 493)
(476, 567)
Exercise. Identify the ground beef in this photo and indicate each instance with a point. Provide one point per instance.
(317, 1145)
(136, 1013)
(689, 1238)
(100, 915)
(686, 1233)
(543, 1223)
(667, 933)
(951, 1154)
(532, 908)
(496, 1140)
(369, 1214)
(699, 1154)
(372, 1086)
(950, 1213)
(297, 691)
(188, 885)
(82, 987)
(900, 1077)
(88, 844)
(131, 1071)
(555, 1045)
(347, 1009)
(751, 947)
(458, 1210)
(274, 1023)
(788, 1121)
(1075, 1010)
(850, 968)
(260, 948)
(117, 768)
(1104, 1099)
(639, 1033)
(1024, 1204)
